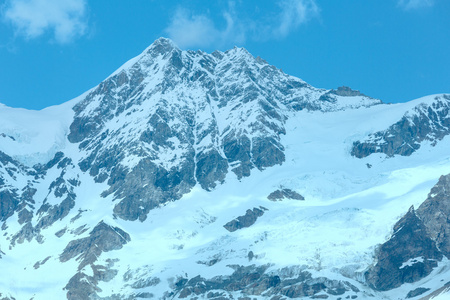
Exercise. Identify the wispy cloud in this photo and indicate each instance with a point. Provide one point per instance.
(190, 30)
(415, 4)
(65, 19)
(293, 14)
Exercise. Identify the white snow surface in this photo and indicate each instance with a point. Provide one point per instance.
(31, 136)
(412, 261)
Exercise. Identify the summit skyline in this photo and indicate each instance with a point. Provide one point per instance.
(396, 51)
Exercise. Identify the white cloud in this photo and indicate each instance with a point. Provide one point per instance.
(187, 29)
(293, 14)
(195, 30)
(190, 30)
(415, 4)
(33, 18)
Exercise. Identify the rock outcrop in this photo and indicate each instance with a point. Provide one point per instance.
(409, 255)
(419, 242)
(246, 220)
(102, 238)
(435, 214)
(284, 193)
(425, 122)
(253, 280)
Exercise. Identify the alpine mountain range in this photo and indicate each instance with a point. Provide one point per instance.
(188, 175)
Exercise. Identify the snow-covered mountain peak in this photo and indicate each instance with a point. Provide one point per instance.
(161, 46)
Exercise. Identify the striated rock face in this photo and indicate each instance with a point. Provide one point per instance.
(416, 292)
(425, 122)
(284, 193)
(10, 197)
(341, 91)
(346, 91)
(256, 281)
(102, 238)
(54, 207)
(409, 255)
(435, 214)
(82, 286)
(8, 205)
(420, 240)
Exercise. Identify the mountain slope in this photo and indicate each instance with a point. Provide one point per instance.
(135, 185)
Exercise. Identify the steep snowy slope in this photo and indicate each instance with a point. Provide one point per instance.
(186, 174)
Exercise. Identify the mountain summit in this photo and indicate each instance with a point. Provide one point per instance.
(195, 116)
(193, 175)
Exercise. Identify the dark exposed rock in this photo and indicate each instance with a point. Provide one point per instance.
(28, 194)
(81, 287)
(419, 242)
(435, 214)
(147, 186)
(55, 160)
(52, 213)
(160, 131)
(267, 153)
(40, 263)
(281, 194)
(27, 232)
(346, 92)
(61, 232)
(409, 255)
(211, 168)
(102, 238)
(425, 123)
(416, 292)
(5, 160)
(79, 214)
(25, 216)
(145, 282)
(143, 295)
(8, 204)
(79, 230)
(5, 297)
(244, 221)
(237, 149)
(210, 262)
(255, 281)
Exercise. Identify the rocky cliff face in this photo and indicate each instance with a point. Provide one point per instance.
(174, 119)
(409, 255)
(435, 214)
(419, 242)
(426, 122)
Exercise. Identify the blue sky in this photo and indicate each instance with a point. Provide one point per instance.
(396, 50)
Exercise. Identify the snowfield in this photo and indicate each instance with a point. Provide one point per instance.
(348, 209)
